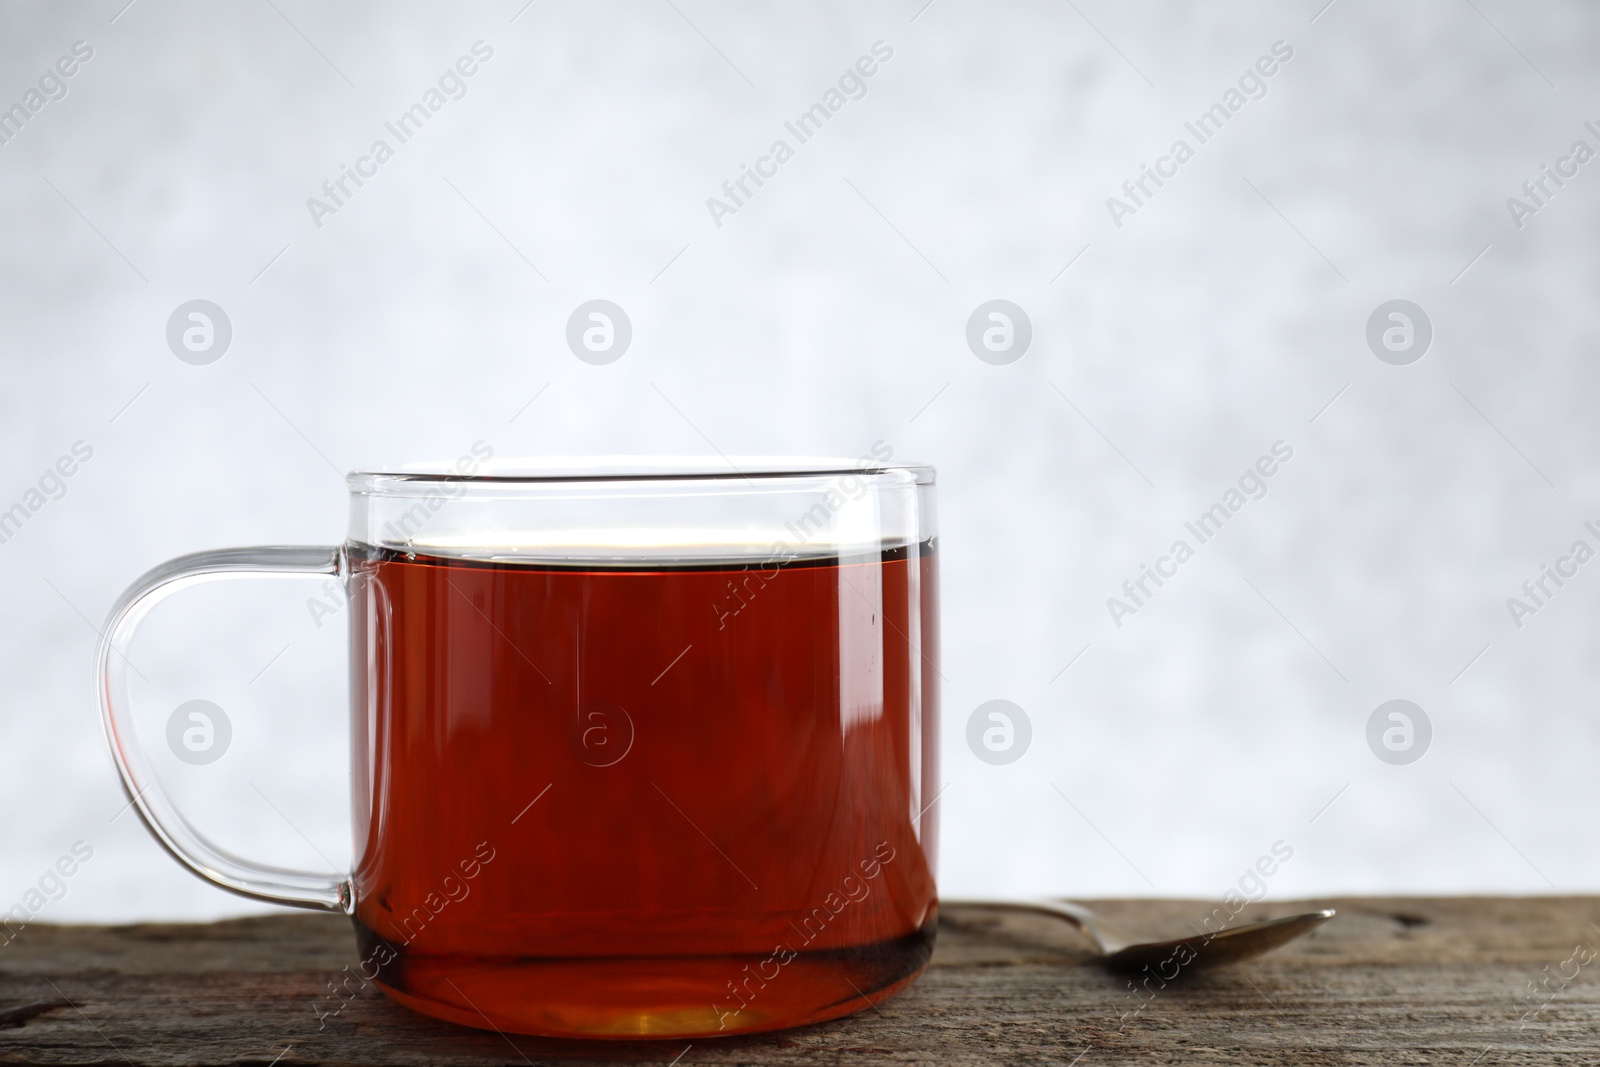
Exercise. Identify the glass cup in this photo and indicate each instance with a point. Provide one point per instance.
(638, 750)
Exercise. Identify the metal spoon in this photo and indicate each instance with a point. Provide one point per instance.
(1119, 952)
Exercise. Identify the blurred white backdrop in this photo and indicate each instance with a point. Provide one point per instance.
(1227, 313)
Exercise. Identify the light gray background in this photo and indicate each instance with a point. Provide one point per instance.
(825, 315)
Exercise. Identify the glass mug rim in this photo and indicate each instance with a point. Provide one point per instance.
(585, 510)
(404, 478)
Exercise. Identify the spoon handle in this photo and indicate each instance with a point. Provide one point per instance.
(1105, 938)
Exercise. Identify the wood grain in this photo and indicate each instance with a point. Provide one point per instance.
(1391, 981)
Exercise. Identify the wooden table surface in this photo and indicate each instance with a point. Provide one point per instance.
(1470, 981)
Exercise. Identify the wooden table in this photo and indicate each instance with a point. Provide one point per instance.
(1393, 981)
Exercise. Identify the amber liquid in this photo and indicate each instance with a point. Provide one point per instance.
(628, 802)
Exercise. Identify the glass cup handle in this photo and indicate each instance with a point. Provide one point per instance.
(279, 885)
